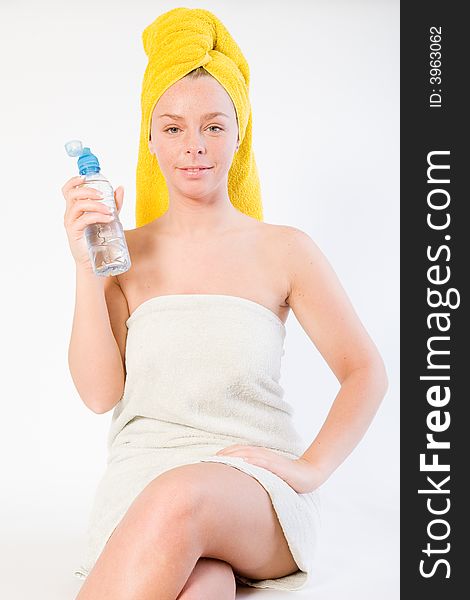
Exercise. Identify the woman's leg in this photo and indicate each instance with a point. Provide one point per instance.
(211, 579)
(150, 554)
(198, 510)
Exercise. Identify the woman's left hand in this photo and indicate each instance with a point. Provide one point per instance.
(301, 475)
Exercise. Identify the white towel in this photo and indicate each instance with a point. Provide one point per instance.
(203, 373)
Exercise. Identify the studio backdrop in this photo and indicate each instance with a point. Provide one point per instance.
(324, 93)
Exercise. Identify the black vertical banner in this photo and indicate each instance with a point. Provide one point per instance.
(435, 356)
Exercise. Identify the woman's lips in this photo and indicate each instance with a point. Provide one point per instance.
(194, 173)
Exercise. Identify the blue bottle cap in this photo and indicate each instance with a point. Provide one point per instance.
(87, 162)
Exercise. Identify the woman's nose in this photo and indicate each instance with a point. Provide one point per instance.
(194, 143)
(194, 151)
(194, 148)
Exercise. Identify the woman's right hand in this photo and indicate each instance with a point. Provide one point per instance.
(79, 199)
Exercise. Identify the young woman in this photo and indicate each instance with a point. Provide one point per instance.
(207, 481)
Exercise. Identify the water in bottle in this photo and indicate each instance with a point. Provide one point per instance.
(106, 242)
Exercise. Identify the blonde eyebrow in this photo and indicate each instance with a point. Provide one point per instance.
(206, 116)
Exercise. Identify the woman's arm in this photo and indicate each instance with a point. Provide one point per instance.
(96, 354)
(327, 316)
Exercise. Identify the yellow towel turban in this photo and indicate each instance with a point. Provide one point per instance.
(177, 42)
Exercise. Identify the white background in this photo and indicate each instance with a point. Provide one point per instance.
(325, 98)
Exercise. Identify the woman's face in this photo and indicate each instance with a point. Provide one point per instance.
(194, 136)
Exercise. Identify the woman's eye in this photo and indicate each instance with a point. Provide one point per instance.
(210, 127)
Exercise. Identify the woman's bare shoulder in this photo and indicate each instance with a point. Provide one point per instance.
(288, 235)
(296, 250)
(138, 237)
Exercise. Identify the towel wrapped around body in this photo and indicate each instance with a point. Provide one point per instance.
(203, 373)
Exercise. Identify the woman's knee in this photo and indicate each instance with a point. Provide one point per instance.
(167, 508)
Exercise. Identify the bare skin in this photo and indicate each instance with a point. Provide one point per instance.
(191, 512)
(245, 262)
(203, 245)
(212, 518)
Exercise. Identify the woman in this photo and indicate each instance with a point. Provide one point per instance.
(207, 481)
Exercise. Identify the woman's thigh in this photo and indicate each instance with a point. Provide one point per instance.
(236, 520)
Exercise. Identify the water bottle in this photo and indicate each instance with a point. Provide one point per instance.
(107, 247)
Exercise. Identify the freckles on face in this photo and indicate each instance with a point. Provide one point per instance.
(184, 130)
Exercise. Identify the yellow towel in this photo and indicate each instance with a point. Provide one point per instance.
(177, 42)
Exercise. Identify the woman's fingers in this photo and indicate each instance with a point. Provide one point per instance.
(71, 183)
(83, 208)
(76, 193)
(80, 206)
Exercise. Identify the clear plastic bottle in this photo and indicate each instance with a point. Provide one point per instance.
(107, 247)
